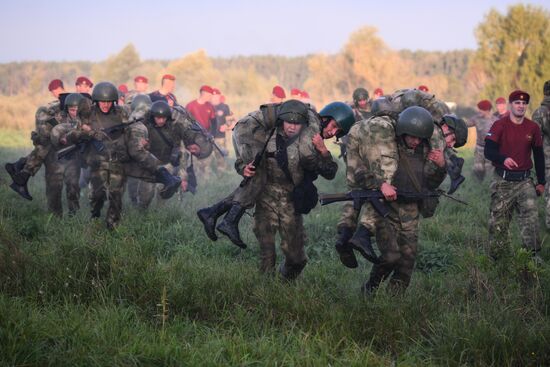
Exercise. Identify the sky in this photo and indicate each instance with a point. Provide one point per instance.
(61, 30)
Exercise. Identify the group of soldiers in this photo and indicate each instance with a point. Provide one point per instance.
(399, 148)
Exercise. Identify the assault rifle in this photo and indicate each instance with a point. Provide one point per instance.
(374, 196)
(97, 144)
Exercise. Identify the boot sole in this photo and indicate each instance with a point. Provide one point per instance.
(222, 230)
(210, 235)
(372, 258)
(16, 188)
(168, 193)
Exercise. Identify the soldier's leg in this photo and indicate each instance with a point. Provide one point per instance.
(407, 240)
(292, 241)
(479, 163)
(36, 158)
(133, 188)
(362, 238)
(98, 190)
(72, 186)
(265, 227)
(146, 193)
(345, 228)
(117, 182)
(528, 219)
(54, 184)
(85, 177)
(502, 204)
(221, 164)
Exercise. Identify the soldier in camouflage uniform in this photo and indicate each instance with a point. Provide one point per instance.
(509, 145)
(482, 121)
(170, 132)
(141, 84)
(109, 152)
(67, 169)
(46, 118)
(292, 151)
(361, 104)
(386, 155)
(249, 139)
(541, 116)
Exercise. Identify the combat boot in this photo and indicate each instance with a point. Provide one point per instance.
(361, 241)
(291, 272)
(209, 216)
(171, 183)
(345, 251)
(20, 180)
(230, 225)
(455, 173)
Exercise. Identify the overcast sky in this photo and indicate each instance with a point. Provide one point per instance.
(60, 30)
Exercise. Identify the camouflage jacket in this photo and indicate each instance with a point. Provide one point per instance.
(46, 117)
(483, 125)
(541, 116)
(63, 129)
(404, 98)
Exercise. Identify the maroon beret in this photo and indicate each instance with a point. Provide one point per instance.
(295, 92)
(485, 105)
(379, 91)
(207, 89)
(141, 78)
(519, 95)
(123, 88)
(83, 80)
(54, 84)
(278, 92)
(423, 88)
(500, 100)
(304, 94)
(168, 76)
(216, 91)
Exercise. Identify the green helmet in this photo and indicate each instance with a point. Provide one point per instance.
(73, 100)
(141, 102)
(105, 92)
(381, 104)
(411, 97)
(294, 112)
(161, 109)
(360, 93)
(205, 145)
(458, 126)
(415, 121)
(341, 113)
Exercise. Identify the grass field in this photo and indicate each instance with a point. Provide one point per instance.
(157, 292)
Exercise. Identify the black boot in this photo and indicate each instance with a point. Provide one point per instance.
(347, 256)
(455, 173)
(291, 272)
(20, 180)
(361, 241)
(230, 225)
(171, 183)
(209, 216)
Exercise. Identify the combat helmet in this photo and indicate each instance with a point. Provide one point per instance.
(415, 121)
(141, 102)
(381, 104)
(161, 109)
(73, 100)
(458, 126)
(359, 94)
(341, 113)
(293, 111)
(105, 92)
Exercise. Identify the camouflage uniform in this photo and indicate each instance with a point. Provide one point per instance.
(65, 170)
(178, 134)
(275, 211)
(107, 167)
(482, 125)
(375, 156)
(542, 117)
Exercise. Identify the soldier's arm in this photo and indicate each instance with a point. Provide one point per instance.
(136, 136)
(380, 151)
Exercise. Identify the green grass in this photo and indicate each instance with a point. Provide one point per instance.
(73, 293)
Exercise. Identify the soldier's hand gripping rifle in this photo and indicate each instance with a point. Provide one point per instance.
(96, 143)
(258, 158)
(374, 196)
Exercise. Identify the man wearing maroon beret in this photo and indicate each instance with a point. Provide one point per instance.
(482, 121)
(378, 92)
(501, 108)
(201, 109)
(141, 84)
(83, 85)
(509, 145)
(278, 94)
(166, 91)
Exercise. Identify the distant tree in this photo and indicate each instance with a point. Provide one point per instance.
(117, 68)
(514, 50)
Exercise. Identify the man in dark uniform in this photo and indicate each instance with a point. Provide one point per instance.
(509, 144)
(166, 91)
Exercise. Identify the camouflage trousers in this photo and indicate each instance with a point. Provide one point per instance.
(107, 183)
(508, 197)
(142, 192)
(36, 158)
(275, 214)
(482, 166)
(547, 196)
(213, 163)
(59, 172)
(397, 240)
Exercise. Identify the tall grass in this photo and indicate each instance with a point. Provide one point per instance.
(157, 292)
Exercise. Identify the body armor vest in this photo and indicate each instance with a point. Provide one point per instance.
(410, 170)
